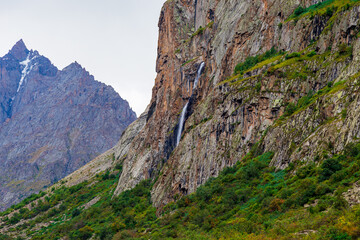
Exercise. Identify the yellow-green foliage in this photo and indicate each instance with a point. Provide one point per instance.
(252, 61)
(330, 8)
(248, 201)
(231, 79)
(265, 63)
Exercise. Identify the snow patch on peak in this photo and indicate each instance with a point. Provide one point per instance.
(27, 68)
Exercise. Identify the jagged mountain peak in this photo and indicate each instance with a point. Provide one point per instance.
(19, 51)
(74, 66)
(57, 117)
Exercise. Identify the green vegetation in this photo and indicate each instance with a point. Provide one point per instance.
(301, 10)
(201, 29)
(344, 49)
(304, 101)
(292, 55)
(310, 98)
(189, 61)
(251, 200)
(326, 8)
(311, 54)
(24, 202)
(253, 61)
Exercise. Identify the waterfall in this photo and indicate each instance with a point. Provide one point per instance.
(184, 111)
(202, 65)
(181, 123)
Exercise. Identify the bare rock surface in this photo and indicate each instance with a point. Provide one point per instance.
(52, 122)
(225, 121)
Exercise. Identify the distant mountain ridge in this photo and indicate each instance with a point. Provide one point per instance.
(51, 122)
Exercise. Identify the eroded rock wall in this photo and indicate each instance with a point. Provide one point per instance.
(226, 119)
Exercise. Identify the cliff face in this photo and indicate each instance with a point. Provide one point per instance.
(229, 114)
(51, 122)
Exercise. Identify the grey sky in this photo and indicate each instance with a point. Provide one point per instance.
(115, 40)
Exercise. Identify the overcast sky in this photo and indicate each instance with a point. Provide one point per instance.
(115, 40)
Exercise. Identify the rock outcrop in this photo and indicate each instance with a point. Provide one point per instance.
(52, 122)
(229, 115)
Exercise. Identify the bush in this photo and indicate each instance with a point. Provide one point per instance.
(352, 149)
(311, 54)
(258, 87)
(306, 171)
(322, 189)
(119, 167)
(328, 168)
(335, 234)
(290, 109)
(299, 10)
(106, 176)
(344, 49)
(292, 55)
(4, 237)
(305, 100)
(329, 11)
(75, 212)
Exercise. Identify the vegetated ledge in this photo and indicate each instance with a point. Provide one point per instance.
(328, 8)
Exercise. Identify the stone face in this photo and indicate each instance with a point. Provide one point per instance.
(226, 120)
(108, 159)
(51, 122)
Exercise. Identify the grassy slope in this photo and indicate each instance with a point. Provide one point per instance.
(248, 201)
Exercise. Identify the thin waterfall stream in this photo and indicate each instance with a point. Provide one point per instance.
(184, 111)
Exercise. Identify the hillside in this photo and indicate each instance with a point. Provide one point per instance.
(52, 122)
(252, 132)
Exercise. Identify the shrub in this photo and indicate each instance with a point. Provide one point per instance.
(106, 176)
(311, 54)
(290, 109)
(334, 234)
(344, 49)
(299, 10)
(119, 167)
(200, 30)
(75, 212)
(292, 55)
(305, 100)
(306, 171)
(322, 189)
(344, 113)
(258, 87)
(275, 205)
(329, 11)
(352, 149)
(328, 168)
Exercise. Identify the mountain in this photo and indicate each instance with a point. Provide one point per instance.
(52, 122)
(252, 132)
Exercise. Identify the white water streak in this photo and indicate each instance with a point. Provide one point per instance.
(181, 123)
(184, 111)
(202, 65)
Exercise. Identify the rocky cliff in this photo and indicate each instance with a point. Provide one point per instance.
(52, 122)
(230, 113)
